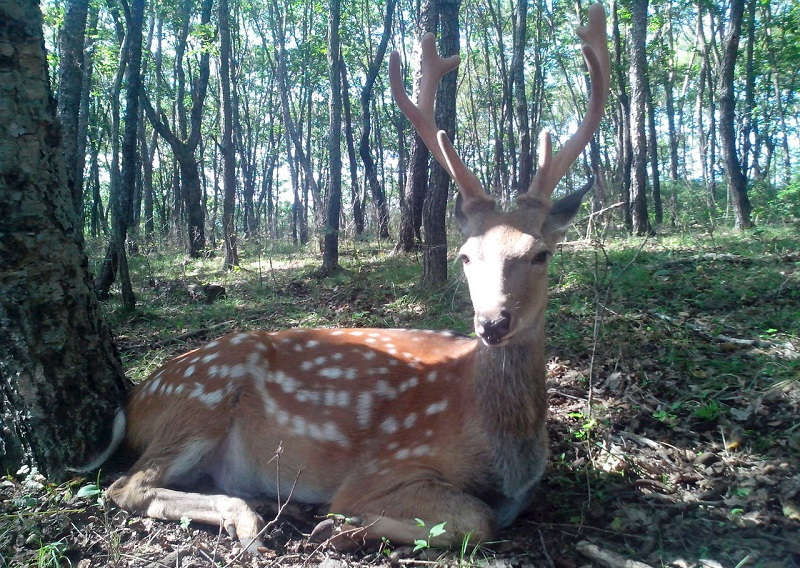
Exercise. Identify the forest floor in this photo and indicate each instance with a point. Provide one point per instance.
(674, 381)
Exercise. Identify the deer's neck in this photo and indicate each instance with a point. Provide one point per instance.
(510, 386)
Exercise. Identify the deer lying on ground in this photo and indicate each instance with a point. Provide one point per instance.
(385, 425)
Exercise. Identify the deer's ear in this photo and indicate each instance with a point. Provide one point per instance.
(466, 208)
(563, 212)
(458, 211)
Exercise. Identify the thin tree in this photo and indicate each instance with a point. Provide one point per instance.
(737, 182)
(330, 250)
(226, 144)
(355, 197)
(434, 257)
(638, 78)
(416, 187)
(70, 74)
(185, 139)
(364, 147)
(61, 380)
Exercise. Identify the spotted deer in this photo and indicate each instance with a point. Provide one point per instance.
(382, 425)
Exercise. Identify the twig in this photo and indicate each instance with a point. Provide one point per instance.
(267, 526)
(600, 212)
(606, 557)
(544, 550)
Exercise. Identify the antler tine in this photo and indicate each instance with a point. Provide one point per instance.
(432, 68)
(595, 52)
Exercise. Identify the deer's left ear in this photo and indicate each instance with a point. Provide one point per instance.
(563, 212)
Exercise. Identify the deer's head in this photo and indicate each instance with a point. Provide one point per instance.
(505, 254)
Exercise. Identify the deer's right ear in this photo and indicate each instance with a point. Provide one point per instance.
(464, 208)
(563, 212)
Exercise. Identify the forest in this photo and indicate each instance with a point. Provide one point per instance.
(215, 166)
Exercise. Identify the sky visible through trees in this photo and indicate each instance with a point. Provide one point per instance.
(280, 88)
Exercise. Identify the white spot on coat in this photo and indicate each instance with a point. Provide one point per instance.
(389, 425)
(436, 407)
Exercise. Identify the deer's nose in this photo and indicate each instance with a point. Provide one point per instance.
(492, 331)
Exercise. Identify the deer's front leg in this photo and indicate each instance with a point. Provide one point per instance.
(388, 506)
(137, 492)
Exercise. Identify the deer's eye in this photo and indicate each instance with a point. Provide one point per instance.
(540, 257)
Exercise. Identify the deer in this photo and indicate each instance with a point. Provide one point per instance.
(382, 426)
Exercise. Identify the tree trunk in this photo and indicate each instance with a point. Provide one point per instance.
(330, 251)
(434, 258)
(521, 102)
(186, 137)
(638, 78)
(62, 380)
(737, 183)
(70, 73)
(652, 142)
(364, 150)
(358, 211)
(624, 151)
(416, 187)
(125, 216)
(228, 157)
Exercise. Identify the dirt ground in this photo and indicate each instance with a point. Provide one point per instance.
(630, 489)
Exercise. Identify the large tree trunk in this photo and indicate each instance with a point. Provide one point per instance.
(228, 157)
(434, 257)
(330, 251)
(737, 183)
(61, 380)
(638, 78)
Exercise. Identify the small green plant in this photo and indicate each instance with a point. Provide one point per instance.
(433, 532)
(52, 555)
(709, 411)
(586, 428)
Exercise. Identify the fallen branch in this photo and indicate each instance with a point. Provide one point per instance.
(176, 338)
(728, 257)
(606, 557)
(720, 338)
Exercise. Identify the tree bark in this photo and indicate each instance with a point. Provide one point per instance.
(737, 183)
(61, 379)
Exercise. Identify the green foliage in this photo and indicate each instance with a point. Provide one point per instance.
(433, 532)
(53, 555)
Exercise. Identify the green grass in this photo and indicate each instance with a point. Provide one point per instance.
(756, 297)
